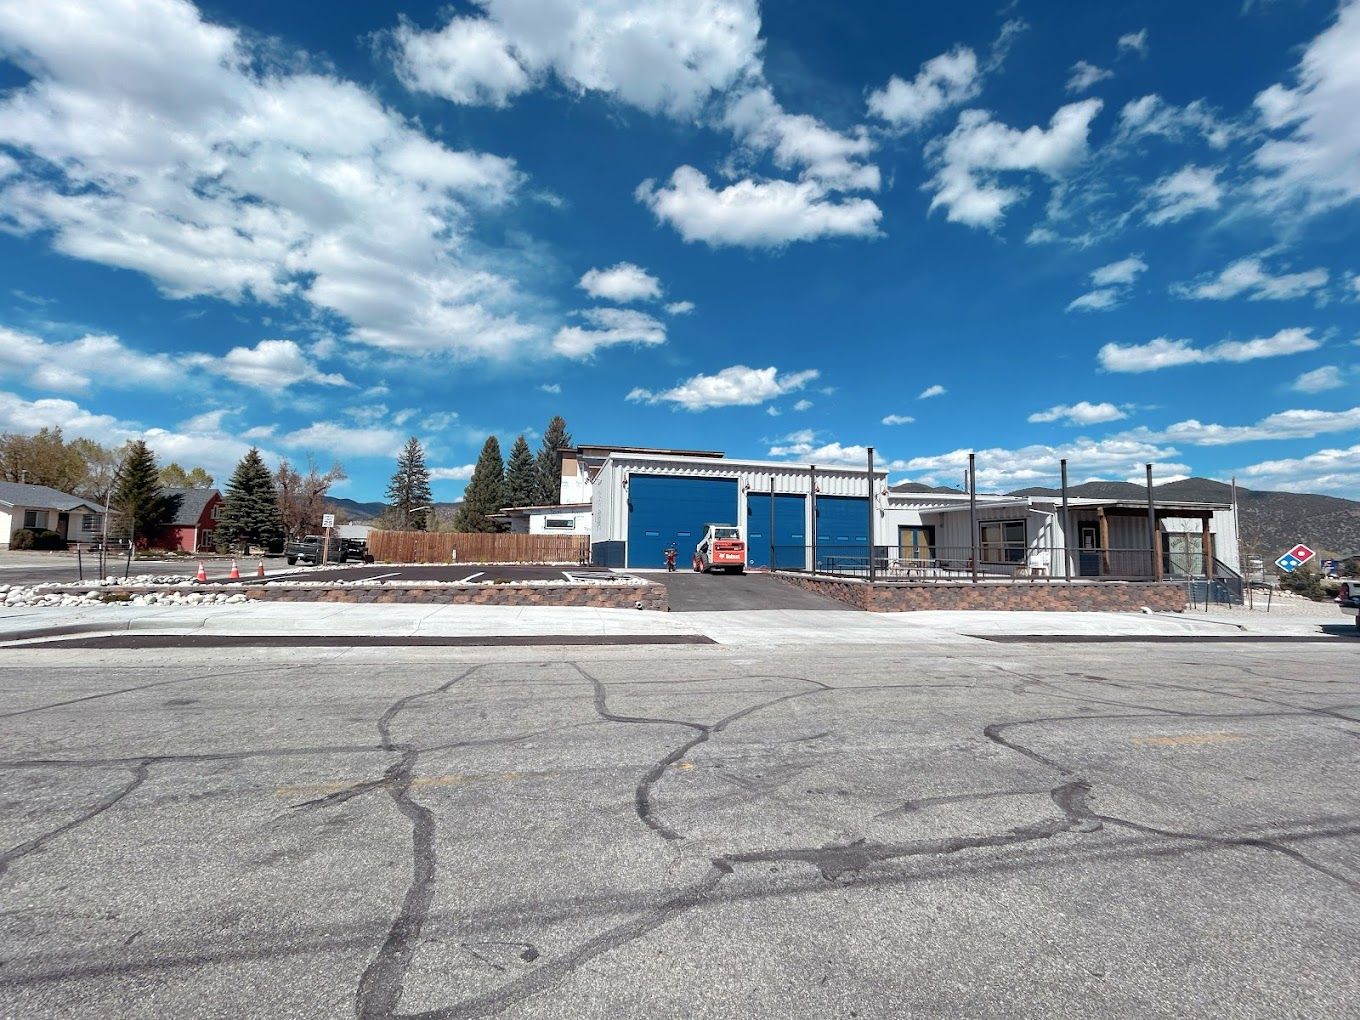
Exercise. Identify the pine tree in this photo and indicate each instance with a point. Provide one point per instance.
(137, 498)
(250, 507)
(520, 478)
(547, 471)
(484, 494)
(408, 494)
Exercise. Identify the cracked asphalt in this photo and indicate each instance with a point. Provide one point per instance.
(971, 830)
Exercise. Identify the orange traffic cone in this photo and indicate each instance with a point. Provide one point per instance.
(235, 574)
(202, 577)
(259, 572)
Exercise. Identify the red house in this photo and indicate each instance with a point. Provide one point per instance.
(193, 526)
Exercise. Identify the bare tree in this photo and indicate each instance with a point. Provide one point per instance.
(302, 498)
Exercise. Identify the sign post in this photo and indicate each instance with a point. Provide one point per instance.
(327, 522)
(1295, 558)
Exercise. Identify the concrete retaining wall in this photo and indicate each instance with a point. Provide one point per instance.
(1078, 597)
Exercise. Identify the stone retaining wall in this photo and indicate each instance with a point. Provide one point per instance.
(602, 596)
(1077, 597)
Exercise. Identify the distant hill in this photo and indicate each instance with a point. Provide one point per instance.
(356, 512)
(1272, 522)
(921, 487)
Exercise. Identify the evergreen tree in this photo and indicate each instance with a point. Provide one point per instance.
(408, 494)
(484, 494)
(250, 508)
(547, 471)
(520, 478)
(137, 498)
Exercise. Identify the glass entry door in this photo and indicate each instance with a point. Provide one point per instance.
(916, 542)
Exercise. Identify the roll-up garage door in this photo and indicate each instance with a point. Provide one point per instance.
(790, 530)
(842, 532)
(665, 510)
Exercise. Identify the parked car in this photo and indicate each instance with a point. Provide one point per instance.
(1348, 598)
(310, 549)
(356, 549)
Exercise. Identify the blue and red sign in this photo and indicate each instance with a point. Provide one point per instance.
(1295, 558)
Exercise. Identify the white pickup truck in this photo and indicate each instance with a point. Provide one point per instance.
(1348, 598)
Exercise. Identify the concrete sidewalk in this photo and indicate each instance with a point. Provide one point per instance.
(756, 629)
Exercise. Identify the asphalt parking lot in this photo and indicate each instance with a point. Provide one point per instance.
(970, 830)
(486, 572)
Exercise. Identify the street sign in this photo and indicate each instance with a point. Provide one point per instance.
(328, 520)
(1295, 558)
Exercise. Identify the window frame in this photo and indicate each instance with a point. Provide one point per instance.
(33, 515)
(559, 523)
(1011, 552)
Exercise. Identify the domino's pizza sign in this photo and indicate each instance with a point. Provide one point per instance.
(1295, 558)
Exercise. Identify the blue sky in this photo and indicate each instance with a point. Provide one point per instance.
(1115, 233)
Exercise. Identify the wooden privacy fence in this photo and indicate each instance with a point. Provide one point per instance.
(447, 547)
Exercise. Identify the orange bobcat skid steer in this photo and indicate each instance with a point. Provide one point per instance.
(721, 548)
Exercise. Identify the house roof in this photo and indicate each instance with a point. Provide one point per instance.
(192, 503)
(40, 497)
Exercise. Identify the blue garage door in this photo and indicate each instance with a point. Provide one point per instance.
(842, 532)
(790, 530)
(663, 510)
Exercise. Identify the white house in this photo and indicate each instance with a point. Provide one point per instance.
(39, 507)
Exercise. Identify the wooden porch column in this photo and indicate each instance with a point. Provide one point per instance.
(1208, 541)
(1104, 524)
(1158, 567)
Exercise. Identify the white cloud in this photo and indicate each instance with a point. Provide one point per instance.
(185, 151)
(438, 421)
(1189, 190)
(1319, 380)
(1134, 42)
(736, 386)
(1249, 276)
(1125, 271)
(759, 214)
(826, 453)
(1166, 353)
(1096, 300)
(970, 159)
(831, 159)
(608, 327)
(1003, 469)
(897, 419)
(1084, 75)
(623, 282)
(1151, 115)
(1314, 160)
(552, 388)
(1083, 412)
(651, 54)
(933, 390)
(270, 365)
(446, 474)
(803, 405)
(1329, 470)
(1292, 424)
(950, 79)
(342, 441)
(93, 359)
(680, 308)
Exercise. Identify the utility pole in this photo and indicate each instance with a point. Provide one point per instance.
(972, 511)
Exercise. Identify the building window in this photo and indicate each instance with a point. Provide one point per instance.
(562, 523)
(206, 540)
(35, 518)
(217, 511)
(1002, 541)
(89, 524)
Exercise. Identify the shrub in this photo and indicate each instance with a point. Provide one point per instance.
(37, 538)
(1305, 582)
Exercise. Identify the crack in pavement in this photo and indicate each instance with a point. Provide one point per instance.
(16, 853)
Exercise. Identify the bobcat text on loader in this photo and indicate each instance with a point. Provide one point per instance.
(721, 548)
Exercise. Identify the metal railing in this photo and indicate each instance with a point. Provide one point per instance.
(995, 562)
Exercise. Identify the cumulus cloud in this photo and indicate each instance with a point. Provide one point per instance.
(182, 150)
(270, 365)
(948, 80)
(1319, 380)
(622, 282)
(1000, 469)
(971, 158)
(1151, 115)
(1313, 157)
(553, 388)
(832, 159)
(1097, 300)
(1249, 276)
(802, 405)
(461, 473)
(1166, 353)
(346, 441)
(608, 327)
(760, 214)
(1329, 470)
(1125, 271)
(1112, 282)
(1084, 75)
(680, 308)
(648, 54)
(1291, 424)
(1189, 190)
(736, 386)
(93, 359)
(933, 390)
(897, 419)
(1134, 42)
(1083, 412)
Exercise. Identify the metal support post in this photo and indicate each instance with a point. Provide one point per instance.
(1067, 528)
(772, 563)
(1152, 527)
(972, 511)
(871, 515)
(812, 499)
